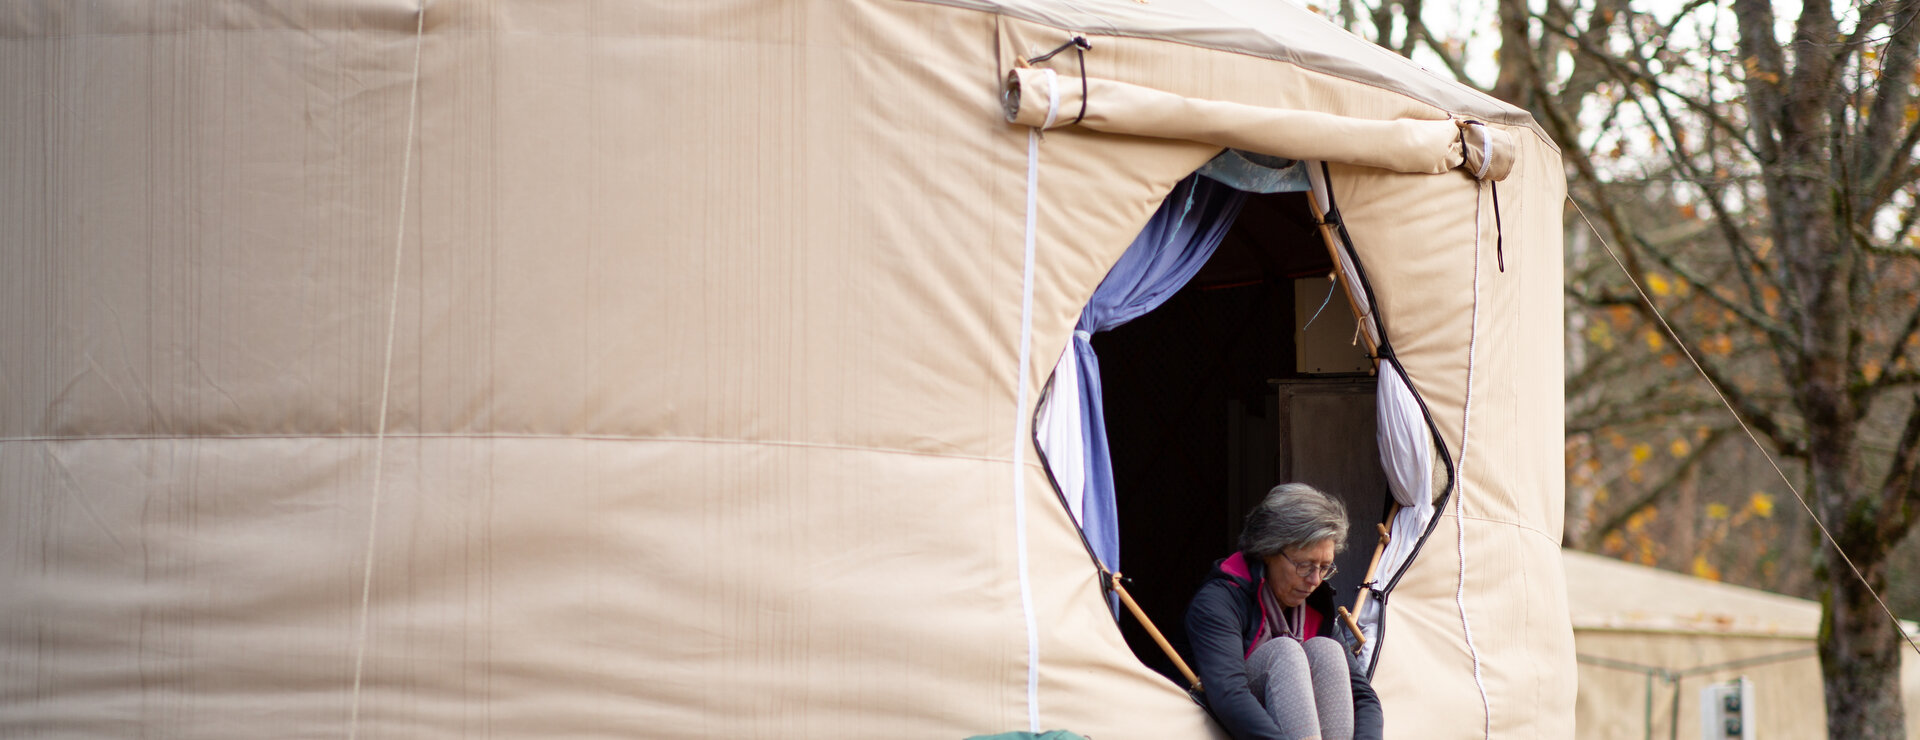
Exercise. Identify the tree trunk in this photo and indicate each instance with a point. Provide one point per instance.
(1860, 648)
(1515, 45)
(1860, 653)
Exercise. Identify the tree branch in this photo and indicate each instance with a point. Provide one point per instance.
(1775, 332)
(1907, 220)
(1890, 99)
(1517, 66)
(1747, 260)
(1631, 74)
(1897, 380)
(1900, 172)
(1382, 19)
(1895, 252)
(1585, 77)
(1410, 10)
(1900, 492)
(1899, 348)
(1814, 74)
(1683, 160)
(1603, 300)
(1447, 59)
(1673, 480)
(1582, 423)
(1766, 68)
(1730, 230)
(1760, 419)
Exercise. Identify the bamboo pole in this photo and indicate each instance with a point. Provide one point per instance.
(1159, 639)
(1360, 601)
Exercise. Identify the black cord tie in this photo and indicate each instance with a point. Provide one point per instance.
(1080, 45)
(1077, 41)
(1332, 216)
(1499, 233)
(1080, 51)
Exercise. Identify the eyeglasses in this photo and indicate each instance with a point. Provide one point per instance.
(1308, 569)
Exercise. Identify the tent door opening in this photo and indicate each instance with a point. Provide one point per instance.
(1239, 382)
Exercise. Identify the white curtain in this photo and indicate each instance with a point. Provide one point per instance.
(1059, 431)
(1406, 454)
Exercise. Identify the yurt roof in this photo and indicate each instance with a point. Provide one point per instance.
(1613, 595)
(1275, 29)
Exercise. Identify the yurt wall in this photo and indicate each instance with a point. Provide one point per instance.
(434, 369)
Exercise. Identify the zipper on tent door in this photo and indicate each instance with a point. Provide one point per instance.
(1333, 230)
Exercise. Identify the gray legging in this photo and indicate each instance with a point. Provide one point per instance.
(1304, 686)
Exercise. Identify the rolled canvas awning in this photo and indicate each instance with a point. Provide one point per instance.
(1045, 98)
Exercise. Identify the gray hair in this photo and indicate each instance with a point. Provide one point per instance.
(1293, 515)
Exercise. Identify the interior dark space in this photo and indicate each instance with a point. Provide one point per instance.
(1209, 404)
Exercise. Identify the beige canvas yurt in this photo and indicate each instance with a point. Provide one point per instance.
(378, 368)
(1650, 640)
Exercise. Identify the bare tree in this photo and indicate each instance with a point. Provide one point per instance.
(1800, 153)
(1766, 164)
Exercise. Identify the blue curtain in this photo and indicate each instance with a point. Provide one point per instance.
(1169, 251)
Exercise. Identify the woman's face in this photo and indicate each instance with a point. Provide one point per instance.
(1290, 588)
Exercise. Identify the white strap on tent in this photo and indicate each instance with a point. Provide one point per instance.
(1486, 160)
(386, 378)
(1020, 413)
(1053, 114)
(1460, 483)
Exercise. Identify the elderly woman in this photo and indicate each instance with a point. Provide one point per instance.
(1260, 628)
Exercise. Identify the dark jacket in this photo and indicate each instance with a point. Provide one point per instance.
(1223, 619)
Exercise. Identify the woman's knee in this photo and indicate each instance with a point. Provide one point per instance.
(1327, 663)
(1279, 651)
(1278, 657)
(1325, 651)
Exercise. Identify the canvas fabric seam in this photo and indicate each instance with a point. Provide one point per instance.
(1536, 531)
